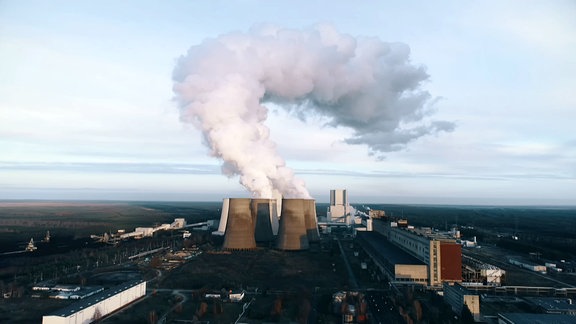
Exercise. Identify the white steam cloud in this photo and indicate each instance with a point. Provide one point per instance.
(364, 84)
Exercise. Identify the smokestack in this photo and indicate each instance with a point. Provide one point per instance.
(265, 217)
(310, 220)
(240, 226)
(292, 233)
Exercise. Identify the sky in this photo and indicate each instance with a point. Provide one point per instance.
(88, 111)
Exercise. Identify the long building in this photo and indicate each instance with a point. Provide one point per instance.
(399, 266)
(97, 306)
(441, 254)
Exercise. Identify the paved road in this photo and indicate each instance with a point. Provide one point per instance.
(351, 276)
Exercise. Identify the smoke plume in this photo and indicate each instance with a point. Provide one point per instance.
(363, 84)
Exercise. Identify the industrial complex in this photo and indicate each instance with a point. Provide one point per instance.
(394, 255)
(246, 221)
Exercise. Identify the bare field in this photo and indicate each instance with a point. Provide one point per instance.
(262, 268)
(22, 220)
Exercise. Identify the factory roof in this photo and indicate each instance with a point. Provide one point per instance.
(387, 250)
(477, 264)
(459, 288)
(94, 299)
(554, 304)
(531, 318)
(432, 235)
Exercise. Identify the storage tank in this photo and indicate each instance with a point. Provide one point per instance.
(240, 226)
(265, 219)
(292, 233)
(310, 220)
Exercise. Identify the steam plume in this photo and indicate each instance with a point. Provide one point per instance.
(364, 84)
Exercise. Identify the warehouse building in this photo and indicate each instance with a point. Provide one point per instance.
(97, 306)
(399, 266)
(523, 318)
(440, 253)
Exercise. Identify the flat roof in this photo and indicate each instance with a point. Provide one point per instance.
(387, 250)
(461, 289)
(537, 318)
(94, 299)
(554, 303)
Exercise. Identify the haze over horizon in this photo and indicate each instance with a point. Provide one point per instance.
(87, 109)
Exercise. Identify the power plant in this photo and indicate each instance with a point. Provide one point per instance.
(265, 215)
(311, 220)
(244, 221)
(292, 234)
(240, 229)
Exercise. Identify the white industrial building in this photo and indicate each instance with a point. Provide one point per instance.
(340, 210)
(90, 309)
(528, 265)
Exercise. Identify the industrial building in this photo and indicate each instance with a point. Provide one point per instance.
(523, 318)
(477, 272)
(244, 222)
(553, 305)
(339, 210)
(458, 297)
(528, 265)
(94, 307)
(140, 232)
(440, 253)
(399, 266)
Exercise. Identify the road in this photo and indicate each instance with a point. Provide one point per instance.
(351, 276)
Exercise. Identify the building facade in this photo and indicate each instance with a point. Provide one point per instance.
(90, 309)
(459, 297)
(442, 255)
(339, 209)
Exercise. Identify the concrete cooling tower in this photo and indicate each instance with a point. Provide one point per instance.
(292, 234)
(239, 226)
(265, 217)
(310, 220)
(223, 217)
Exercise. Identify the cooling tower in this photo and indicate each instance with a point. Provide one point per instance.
(265, 219)
(310, 220)
(223, 217)
(240, 226)
(292, 232)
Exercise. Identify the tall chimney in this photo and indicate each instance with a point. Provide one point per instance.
(310, 220)
(292, 232)
(240, 226)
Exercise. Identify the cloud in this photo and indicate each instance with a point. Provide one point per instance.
(161, 168)
(363, 84)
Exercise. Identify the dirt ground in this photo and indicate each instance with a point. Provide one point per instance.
(265, 269)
